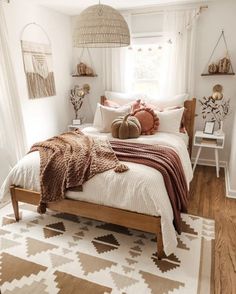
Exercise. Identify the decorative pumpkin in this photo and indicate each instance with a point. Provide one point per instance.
(224, 65)
(126, 127)
(81, 68)
(89, 71)
(148, 120)
(213, 68)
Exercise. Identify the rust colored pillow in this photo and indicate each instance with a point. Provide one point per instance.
(148, 120)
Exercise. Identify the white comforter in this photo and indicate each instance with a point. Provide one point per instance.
(140, 189)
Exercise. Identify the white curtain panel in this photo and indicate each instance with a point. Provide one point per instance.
(12, 135)
(179, 54)
(115, 66)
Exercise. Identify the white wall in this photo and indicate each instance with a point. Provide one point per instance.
(232, 162)
(96, 84)
(43, 117)
(220, 15)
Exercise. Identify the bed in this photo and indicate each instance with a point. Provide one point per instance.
(135, 211)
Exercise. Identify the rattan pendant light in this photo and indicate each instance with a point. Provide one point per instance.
(101, 26)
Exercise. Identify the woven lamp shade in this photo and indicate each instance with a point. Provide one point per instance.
(101, 26)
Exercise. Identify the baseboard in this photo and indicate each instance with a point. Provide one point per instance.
(230, 193)
(209, 162)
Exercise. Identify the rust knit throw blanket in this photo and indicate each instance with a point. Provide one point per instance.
(70, 159)
(168, 163)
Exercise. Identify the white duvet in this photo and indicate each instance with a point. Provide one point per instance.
(140, 189)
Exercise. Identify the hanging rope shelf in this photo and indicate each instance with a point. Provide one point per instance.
(224, 66)
(83, 70)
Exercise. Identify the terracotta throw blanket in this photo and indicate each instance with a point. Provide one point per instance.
(167, 162)
(70, 159)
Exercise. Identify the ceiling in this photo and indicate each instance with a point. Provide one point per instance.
(73, 7)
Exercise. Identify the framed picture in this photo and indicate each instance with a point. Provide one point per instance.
(209, 127)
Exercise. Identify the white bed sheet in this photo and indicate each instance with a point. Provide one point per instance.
(140, 189)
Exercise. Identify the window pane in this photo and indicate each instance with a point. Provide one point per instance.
(147, 69)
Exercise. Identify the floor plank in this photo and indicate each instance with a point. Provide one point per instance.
(208, 199)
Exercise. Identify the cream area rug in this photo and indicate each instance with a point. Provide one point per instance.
(66, 254)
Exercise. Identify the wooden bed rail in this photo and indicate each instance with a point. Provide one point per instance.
(138, 221)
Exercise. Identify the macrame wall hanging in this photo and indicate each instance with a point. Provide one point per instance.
(219, 67)
(37, 58)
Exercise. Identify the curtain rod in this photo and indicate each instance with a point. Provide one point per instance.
(160, 11)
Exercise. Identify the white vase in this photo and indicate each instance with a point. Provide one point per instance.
(220, 131)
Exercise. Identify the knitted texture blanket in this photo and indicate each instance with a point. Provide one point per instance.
(167, 162)
(70, 159)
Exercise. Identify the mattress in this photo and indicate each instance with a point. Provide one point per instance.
(141, 189)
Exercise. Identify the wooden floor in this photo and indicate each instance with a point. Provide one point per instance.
(208, 200)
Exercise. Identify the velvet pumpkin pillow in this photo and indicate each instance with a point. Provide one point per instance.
(148, 120)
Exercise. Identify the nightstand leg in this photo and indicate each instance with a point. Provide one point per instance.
(197, 157)
(217, 162)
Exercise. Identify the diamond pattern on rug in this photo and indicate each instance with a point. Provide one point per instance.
(58, 260)
(7, 221)
(67, 283)
(134, 254)
(115, 228)
(127, 269)
(58, 226)
(160, 285)
(35, 288)
(50, 233)
(96, 259)
(131, 261)
(6, 243)
(13, 267)
(91, 264)
(181, 244)
(122, 281)
(80, 234)
(108, 239)
(102, 248)
(140, 242)
(67, 216)
(186, 228)
(35, 246)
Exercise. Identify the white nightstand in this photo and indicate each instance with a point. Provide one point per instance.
(202, 140)
(81, 127)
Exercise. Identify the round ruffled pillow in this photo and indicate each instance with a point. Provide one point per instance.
(148, 120)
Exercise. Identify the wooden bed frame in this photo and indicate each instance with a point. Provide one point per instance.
(143, 222)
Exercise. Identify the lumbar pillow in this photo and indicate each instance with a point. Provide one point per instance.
(126, 127)
(148, 120)
(170, 120)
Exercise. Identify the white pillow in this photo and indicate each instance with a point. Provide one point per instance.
(177, 100)
(97, 121)
(123, 98)
(104, 116)
(170, 120)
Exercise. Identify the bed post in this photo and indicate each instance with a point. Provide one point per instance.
(15, 203)
(160, 247)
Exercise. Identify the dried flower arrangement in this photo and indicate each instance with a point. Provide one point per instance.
(77, 95)
(215, 108)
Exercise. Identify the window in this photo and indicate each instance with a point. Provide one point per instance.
(146, 63)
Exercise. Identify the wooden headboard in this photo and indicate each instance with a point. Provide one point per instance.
(189, 117)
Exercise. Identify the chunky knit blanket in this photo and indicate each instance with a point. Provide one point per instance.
(167, 162)
(70, 159)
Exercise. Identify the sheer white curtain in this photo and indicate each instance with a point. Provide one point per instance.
(179, 55)
(115, 67)
(12, 135)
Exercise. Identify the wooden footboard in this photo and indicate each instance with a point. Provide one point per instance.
(112, 215)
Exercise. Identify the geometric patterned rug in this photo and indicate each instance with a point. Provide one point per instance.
(66, 254)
